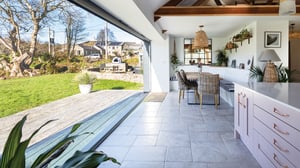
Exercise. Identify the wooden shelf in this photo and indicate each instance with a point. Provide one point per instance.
(242, 39)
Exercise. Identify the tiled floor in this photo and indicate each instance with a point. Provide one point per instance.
(172, 135)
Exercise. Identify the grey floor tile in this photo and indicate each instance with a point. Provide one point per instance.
(146, 154)
(123, 130)
(241, 164)
(118, 153)
(176, 154)
(146, 129)
(166, 138)
(145, 141)
(185, 165)
(130, 164)
(209, 152)
(119, 140)
(205, 137)
(148, 119)
(173, 135)
(171, 127)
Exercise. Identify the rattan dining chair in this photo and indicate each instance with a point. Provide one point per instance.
(209, 84)
(185, 85)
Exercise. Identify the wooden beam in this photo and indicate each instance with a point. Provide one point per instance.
(173, 3)
(218, 2)
(199, 2)
(220, 10)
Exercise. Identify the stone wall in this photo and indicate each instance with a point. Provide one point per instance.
(129, 76)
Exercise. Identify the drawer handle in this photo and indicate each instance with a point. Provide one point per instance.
(277, 129)
(280, 148)
(280, 164)
(279, 113)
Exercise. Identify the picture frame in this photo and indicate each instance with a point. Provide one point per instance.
(233, 63)
(272, 39)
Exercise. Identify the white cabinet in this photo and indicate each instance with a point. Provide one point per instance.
(277, 132)
(268, 127)
(243, 115)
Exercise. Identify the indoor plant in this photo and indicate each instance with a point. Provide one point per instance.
(13, 154)
(85, 81)
(222, 58)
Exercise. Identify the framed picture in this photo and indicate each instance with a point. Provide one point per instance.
(272, 39)
(233, 63)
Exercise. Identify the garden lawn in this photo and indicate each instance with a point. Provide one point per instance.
(24, 93)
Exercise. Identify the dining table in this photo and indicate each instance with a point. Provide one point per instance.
(207, 99)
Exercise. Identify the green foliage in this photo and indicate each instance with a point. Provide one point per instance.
(256, 73)
(25, 93)
(133, 61)
(85, 78)
(222, 57)
(283, 73)
(13, 154)
(174, 59)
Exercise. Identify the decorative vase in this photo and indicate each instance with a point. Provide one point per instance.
(85, 88)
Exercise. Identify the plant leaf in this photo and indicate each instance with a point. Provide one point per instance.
(12, 143)
(74, 128)
(57, 149)
(88, 159)
(19, 158)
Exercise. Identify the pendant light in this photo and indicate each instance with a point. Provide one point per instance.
(201, 40)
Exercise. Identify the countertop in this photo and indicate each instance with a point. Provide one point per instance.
(287, 93)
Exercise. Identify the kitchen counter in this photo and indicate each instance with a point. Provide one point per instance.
(287, 93)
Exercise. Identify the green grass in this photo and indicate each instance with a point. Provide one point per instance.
(24, 93)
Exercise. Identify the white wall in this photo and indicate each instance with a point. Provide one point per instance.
(160, 65)
(283, 27)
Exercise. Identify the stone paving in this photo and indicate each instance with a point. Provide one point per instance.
(67, 111)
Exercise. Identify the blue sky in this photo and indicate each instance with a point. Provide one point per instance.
(93, 26)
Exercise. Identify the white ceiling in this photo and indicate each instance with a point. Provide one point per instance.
(141, 19)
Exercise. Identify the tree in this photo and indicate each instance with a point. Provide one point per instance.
(22, 16)
(101, 35)
(75, 27)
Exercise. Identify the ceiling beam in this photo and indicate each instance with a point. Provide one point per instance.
(218, 2)
(173, 3)
(220, 10)
(199, 2)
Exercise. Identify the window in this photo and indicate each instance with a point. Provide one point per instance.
(191, 55)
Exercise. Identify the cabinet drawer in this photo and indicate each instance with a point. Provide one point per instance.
(287, 150)
(273, 155)
(280, 128)
(285, 113)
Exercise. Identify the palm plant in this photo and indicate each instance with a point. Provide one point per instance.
(256, 73)
(14, 151)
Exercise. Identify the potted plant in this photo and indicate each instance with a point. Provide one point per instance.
(85, 81)
(222, 58)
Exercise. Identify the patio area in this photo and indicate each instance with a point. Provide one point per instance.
(171, 135)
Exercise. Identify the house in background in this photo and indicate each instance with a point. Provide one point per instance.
(113, 48)
(88, 48)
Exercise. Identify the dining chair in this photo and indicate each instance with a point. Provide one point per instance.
(185, 85)
(209, 84)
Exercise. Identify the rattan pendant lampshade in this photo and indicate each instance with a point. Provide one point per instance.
(200, 40)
